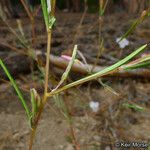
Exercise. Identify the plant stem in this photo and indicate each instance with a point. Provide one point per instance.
(47, 61)
(77, 147)
(108, 70)
(29, 13)
(102, 6)
(33, 132)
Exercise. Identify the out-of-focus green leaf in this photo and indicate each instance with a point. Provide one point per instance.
(102, 8)
(133, 106)
(135, 23)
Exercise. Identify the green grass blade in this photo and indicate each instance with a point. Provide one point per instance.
(133, 106)
(135, 23)
(111, 68)
(45, 12)
(33, 102)
(133, 26)
(67, 71)
(100, 73)
(52, 22)
(139, 63)
(48, 8)
(102, 8)
(16, 88)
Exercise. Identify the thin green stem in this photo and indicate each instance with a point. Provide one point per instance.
(47, 60)
(105, 71)
(33, 132)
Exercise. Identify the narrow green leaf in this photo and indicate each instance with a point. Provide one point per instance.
(111, 68)
(134, 106)
(144, 14)
(138, 65)
(67, 71)
(45, 12)
(133, 26)
(102, 9)
(52, 22)
(16, 88)
(141, 62)
(100, 73)
(33, 102)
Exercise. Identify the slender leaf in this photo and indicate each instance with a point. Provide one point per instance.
(45, 12)
(141, 62)
(52, 21)
(100, 73)
(135, 23)
(48, 14)
(33, 102)
(16, 88)
(134, 106)
(133, 26)
(102, 8)
(67, 71)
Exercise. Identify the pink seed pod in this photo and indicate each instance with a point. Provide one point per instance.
(66, 57)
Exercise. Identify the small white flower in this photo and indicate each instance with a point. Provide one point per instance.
(49, 6)
(94, 106)
(123, 43)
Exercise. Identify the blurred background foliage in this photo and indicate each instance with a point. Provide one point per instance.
(11, 8)
(92, 4)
